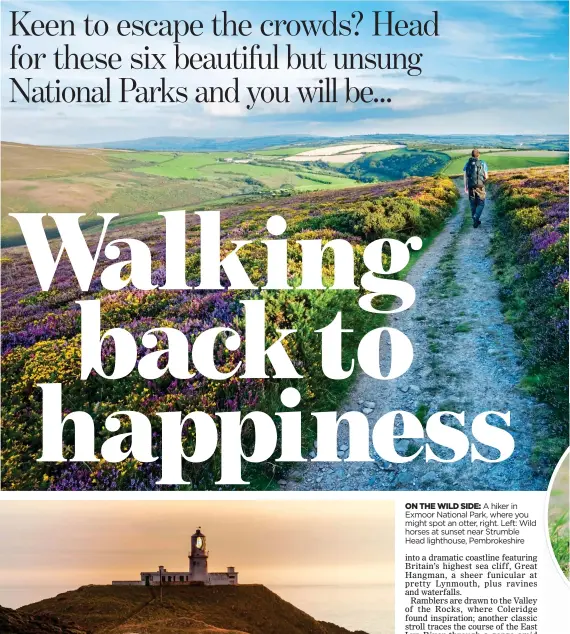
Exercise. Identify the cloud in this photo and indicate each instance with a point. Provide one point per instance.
(538, 14)
(494, 120)
(437, 103)
(457, 78)
(523, 82)
(451, 79)
(477, 40)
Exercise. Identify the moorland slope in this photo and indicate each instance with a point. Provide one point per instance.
(246, 609)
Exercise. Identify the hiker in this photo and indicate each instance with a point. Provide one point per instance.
(474, 177)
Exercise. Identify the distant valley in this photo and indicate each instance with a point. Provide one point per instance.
(142, 177)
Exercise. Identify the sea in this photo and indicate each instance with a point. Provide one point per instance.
(356, 607)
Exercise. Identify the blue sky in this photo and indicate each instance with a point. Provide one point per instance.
(496, 67)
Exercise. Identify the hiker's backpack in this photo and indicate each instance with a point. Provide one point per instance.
(475, 173)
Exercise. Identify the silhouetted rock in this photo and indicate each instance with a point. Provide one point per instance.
(14, 622)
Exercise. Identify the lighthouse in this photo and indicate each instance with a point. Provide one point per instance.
(198, 557)
(196, 575)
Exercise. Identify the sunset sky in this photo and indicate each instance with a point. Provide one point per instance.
(51, 546)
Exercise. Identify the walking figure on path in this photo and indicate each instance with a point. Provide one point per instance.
(475, 174)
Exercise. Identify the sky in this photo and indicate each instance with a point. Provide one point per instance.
(495, 67)
(273, 543)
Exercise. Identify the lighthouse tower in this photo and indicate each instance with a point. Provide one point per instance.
(198, 557)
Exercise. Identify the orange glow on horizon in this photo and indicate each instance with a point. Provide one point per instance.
(62, 545)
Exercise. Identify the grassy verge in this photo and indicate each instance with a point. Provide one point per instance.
(443, 285)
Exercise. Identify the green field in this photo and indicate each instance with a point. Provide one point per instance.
(141, 157)
(506, 159)
(184, 165)
(261, 170)
(467, 151)
(285, 151)
(138, 183)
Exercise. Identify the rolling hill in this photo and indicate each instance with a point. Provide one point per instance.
(396, 164)
(247, 609)
(92, 181)
(193, 144)
(198, 144)
(163, 173)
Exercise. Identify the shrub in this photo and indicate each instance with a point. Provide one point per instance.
(41, 332)
(531, 255)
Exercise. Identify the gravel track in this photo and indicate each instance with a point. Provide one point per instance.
(466, 359)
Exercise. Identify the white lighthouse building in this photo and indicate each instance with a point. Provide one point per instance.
(197, 573)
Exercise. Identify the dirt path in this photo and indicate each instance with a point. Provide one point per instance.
(465, 359)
